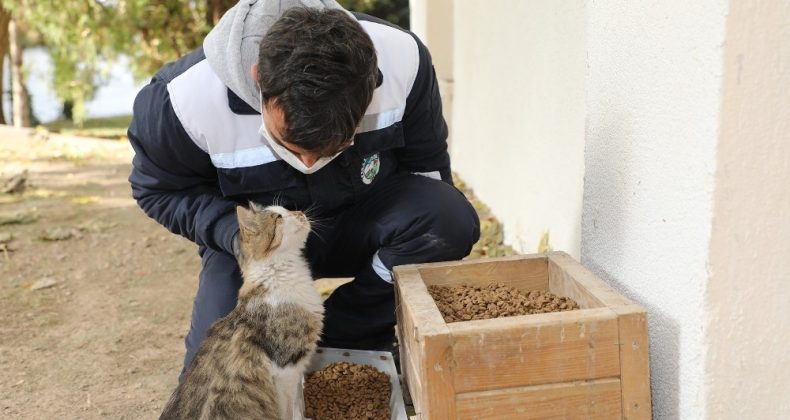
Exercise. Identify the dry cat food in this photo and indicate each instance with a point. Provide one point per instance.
(465, 303)
(347, 391)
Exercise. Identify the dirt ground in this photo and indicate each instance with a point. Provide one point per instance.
(95, 297)
(106, 339)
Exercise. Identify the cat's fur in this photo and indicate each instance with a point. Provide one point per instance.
(252, 360)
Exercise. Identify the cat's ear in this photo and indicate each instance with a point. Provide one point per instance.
(256, 208)
(246, 218)
(276, 231)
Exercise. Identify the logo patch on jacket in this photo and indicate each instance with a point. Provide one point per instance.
(370, 168)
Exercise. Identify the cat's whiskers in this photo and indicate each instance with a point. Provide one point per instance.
(278, 199)
(311, 208)
(316, 224)
(315, 232)
(313, 219)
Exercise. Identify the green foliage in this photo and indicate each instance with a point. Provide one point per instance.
(84, 36)
(153, 33)
(77, 33)
(394, 11)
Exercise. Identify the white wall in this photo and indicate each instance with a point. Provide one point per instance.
(518, 118)
(676, 114)
(653, 113)
(432, 21)
(747, 313)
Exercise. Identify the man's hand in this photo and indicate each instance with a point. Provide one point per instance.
(226, 234)
(235, 245)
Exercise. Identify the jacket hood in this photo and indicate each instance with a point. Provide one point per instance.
(231, 48)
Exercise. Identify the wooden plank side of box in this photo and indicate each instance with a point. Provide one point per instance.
(597, 399)
(567, 277)
(427, 341)
(525, 272)
(634, 362)
(409, 348)
(535, 349)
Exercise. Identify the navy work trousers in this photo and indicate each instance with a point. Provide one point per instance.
(406, 219)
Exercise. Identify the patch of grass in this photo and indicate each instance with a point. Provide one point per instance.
(105, 128)
(492, 234)
(85, 199)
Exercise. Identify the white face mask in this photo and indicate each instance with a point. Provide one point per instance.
(291, 158)
(286, 154)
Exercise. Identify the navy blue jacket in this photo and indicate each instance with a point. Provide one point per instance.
(198, 152)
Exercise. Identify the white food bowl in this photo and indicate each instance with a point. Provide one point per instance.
(380, 360)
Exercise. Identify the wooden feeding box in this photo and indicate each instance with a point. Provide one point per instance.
(589, 363)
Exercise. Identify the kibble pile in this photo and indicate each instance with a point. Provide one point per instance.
(347, 391)
(465, 303)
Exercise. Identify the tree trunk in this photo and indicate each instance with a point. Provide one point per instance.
(18, 93)
(217, 8)
(5, 17)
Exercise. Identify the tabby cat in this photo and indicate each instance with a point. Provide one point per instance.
(251, 362)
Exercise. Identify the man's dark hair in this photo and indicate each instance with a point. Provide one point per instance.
(320, 68)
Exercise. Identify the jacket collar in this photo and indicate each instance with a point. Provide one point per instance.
(238, 106)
